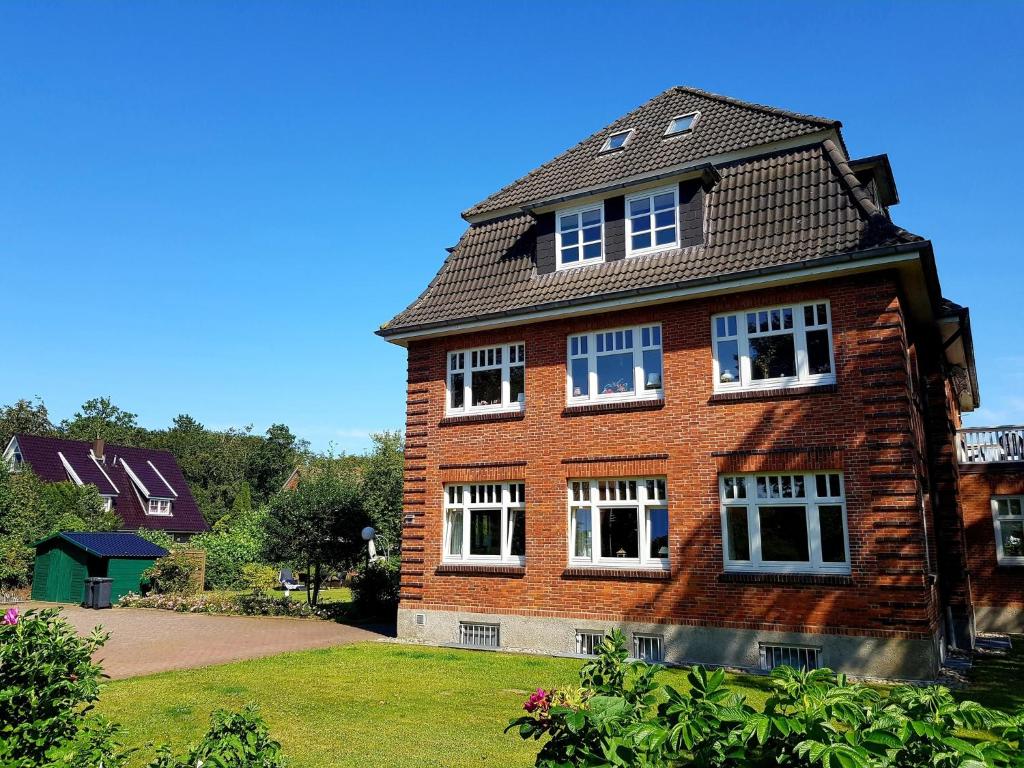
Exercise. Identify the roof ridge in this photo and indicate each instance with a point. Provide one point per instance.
(825, 121)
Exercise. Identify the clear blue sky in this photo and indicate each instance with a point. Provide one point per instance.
(208, 207)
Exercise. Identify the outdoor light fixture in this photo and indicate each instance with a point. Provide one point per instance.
(654, 380)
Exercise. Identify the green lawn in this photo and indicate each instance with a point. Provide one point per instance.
(391, 706)
(368, 705)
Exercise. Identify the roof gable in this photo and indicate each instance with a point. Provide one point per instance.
(726, 125)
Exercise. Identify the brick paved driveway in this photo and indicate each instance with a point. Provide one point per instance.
(144, 641)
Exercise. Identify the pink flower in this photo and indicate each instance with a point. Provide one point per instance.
(539, 700)
(11, 617)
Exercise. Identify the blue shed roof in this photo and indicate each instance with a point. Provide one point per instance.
(111, 544)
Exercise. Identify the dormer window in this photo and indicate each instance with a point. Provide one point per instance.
(617, 141)
(159, 507)
(580, 236)
(682, 124)
(652, 221)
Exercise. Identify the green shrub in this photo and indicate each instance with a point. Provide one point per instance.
(375, 587)
(620, 716)
(229, 551)
(48, 686)
(239, 740)
(257, 576)
(174, 574)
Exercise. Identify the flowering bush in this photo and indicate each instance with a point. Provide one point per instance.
(621, 716)
(218, 603)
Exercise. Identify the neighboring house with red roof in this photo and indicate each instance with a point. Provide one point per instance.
(145, 487)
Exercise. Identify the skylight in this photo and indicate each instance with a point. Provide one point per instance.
(617, 140)
(682, 124)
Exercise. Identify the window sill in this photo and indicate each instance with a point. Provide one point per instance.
(763, 577)
(774, 393)
(482, 569)
(614, 407)
(1010, 566)
(474, 418)
(625, 574)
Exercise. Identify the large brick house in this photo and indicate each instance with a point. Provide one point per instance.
(690, 380)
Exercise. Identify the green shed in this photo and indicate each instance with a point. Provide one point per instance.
(65, 560)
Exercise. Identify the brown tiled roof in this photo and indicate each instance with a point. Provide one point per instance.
(725, 125)
(778, 210)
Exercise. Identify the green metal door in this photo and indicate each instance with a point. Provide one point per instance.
(59, 581)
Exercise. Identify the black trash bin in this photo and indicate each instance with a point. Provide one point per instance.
(89, 593)
(101, 590)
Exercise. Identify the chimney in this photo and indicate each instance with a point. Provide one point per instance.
(97, 448)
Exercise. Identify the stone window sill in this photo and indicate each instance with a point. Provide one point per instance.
(775, 393)
(477, 418)
(624, 574)
(471, 569)
(813, 579)
(615, 407)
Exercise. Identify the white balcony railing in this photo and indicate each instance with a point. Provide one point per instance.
(986, 445)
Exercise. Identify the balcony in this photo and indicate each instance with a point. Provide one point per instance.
(990, 445)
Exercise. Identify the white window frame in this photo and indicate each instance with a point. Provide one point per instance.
(464, 357)
(810, 501)
(653, 247)
(656, 642)
(799, 332)
(163, 507)
(997, 521)
(640, 391)
(592, 504)
(607, 147)
(696, 118)
(578, 210)
(457, 499)
(588, 641)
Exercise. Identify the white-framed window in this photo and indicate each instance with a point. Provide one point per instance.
(649, 648)
(652, 221)
(159, 507)
(773, 347)
(487, 379)
(617, 140)
(108, 504)
(588, 642)
(682, 123)
(785, 522)
(1008, 517)
(479, 635)
(623, 364)
(619, 522)
(485, 522)
(579, 236)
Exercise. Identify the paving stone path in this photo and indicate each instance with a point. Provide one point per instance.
(143, 641)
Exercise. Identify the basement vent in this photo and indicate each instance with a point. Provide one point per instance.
(421, 619)
(649, 648)
(588, 643)
(478, 635)
(796, 656)
(409, 519)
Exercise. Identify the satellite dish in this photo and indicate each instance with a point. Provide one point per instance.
(368, 533)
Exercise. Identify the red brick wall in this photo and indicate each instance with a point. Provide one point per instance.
(991, 584)
(864, 428)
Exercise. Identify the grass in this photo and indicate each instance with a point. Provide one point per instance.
(371, 705)
(998, 681)
(374, 705)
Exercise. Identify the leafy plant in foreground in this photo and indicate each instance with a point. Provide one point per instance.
(621, 716)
